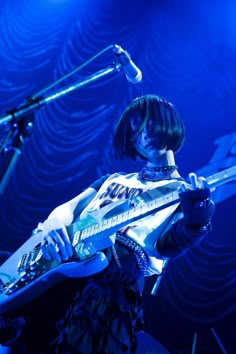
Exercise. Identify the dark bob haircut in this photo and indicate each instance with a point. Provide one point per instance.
(168, 126)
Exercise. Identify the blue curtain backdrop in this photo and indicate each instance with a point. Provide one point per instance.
(187, 53)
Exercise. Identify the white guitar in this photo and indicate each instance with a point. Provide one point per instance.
(26, 274)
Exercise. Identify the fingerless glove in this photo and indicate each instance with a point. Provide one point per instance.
(197, 207)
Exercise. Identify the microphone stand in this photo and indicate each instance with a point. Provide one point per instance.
(35, 103)
(22, 118)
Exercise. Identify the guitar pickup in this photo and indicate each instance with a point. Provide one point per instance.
(84, 250)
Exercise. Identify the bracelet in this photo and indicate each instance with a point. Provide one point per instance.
(200, 228)
(205, 228)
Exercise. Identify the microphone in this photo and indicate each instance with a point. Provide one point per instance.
(132, 72)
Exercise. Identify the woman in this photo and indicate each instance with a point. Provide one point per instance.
(102, 312)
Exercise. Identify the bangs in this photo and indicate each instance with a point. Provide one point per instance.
(167, 125)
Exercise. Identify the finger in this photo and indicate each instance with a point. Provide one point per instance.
(49, 249)
(202, 182)
(193, 180)
(67, 242)
(52, 246)
(45, 252)
(61, 239)
(182, 188)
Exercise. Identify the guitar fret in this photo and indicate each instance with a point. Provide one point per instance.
(138, 211)
(108, 223)
(145, 208)
(125, 218)
(104, 224)
(83, 234)
(131, 213)
(89, 231)
(151, 205)
(95, 228)
(99, 228)
(113, 221)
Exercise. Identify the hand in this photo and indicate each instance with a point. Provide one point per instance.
(195, 183)
(56, 242)
(197, 205)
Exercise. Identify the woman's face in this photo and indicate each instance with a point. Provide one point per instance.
(146, 140)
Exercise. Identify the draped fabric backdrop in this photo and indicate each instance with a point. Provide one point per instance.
(187, 53)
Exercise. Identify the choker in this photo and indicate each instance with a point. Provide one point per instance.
(157, 173)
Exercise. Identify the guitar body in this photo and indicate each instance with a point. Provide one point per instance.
(26, 274)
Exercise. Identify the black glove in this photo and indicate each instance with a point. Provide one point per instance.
(198, 207)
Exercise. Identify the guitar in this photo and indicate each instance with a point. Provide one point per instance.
(27, 274)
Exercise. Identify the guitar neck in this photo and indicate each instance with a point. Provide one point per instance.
(222, 177)
(145, 204)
